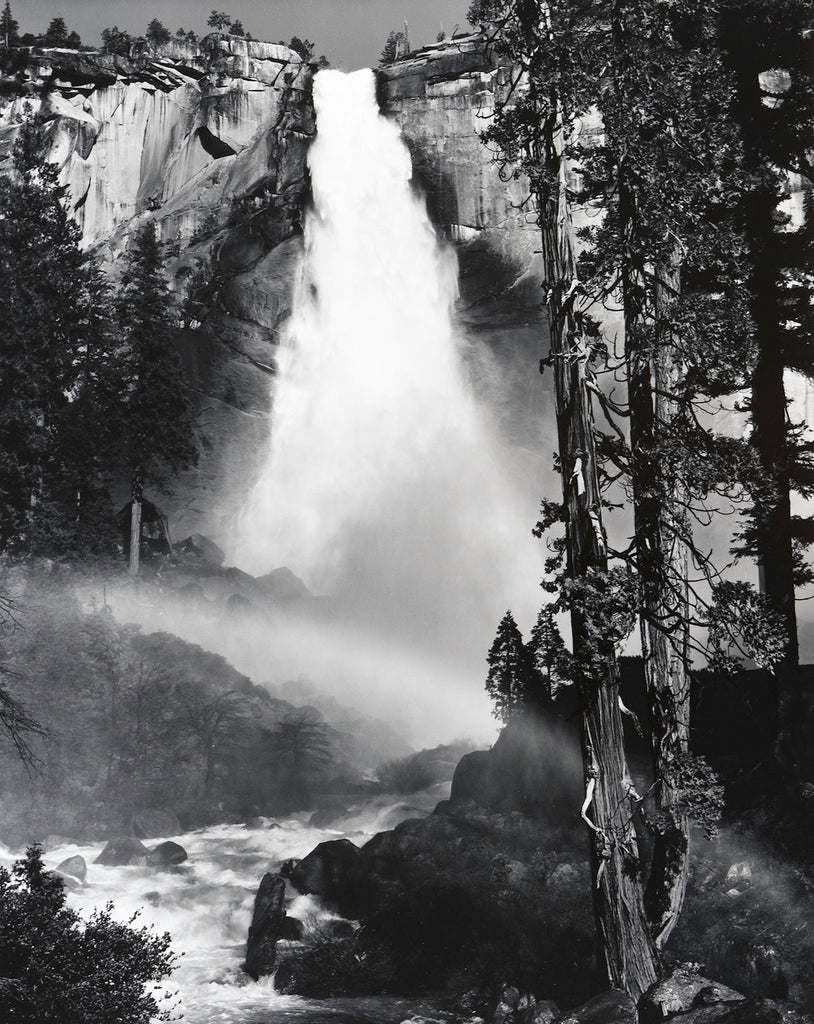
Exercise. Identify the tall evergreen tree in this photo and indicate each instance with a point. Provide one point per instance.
(46, 323)
(767, 46)
(548, 652)
(155, 422)
(511, 679)
(9, 29)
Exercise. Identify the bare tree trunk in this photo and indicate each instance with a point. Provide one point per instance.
(135, 525)
(661, 533)
(629, 952)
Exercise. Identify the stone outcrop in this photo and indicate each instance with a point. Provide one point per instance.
(267, 926)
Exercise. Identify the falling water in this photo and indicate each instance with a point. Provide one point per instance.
(385, 485)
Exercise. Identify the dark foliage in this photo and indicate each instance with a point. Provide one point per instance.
(59, 970)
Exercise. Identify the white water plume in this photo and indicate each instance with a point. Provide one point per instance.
(385, 485)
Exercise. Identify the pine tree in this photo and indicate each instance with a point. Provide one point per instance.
(768, 49)
(56, 34)
(46, 314)
(156, 433)
(9, 29)
(157, 34)
(548, 653)
(511, 678)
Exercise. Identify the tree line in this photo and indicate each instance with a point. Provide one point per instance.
(129, 722)
(705, 109)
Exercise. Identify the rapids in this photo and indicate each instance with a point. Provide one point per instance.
(206, 906)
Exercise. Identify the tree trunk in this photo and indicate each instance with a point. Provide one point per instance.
(135, 524)
(770, 436)
(661, 528)
(628, 948)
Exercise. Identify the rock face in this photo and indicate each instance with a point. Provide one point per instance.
(267, 926)
(534, 767)
(209, 142)
(156, 822)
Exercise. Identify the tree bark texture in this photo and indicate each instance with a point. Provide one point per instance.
(628, 948)
(662, 529)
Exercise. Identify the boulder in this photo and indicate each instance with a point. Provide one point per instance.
(534, 767)
(166, 854)
(123, 851)
(68, 881)
(327, 869)
(282, 586)
(681, 990)
(75, 867)
(292, 929)
(747, 1011)
(200, 549)
(607, 1008)
(266, 927)
(156, 822)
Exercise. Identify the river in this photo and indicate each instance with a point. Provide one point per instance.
(206, 906)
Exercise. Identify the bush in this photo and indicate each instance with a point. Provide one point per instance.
(59, 969)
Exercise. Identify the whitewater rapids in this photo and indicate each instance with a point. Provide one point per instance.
(206, 906)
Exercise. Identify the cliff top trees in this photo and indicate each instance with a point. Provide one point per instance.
(157, 34)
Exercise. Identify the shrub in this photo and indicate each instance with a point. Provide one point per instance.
(59, 969)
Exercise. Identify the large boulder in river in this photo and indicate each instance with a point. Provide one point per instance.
(166, 854)
(327, 869)
(156, 822)
(122, 852)
(75, 867)
(267, 926)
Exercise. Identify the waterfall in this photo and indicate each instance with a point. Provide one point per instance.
(385, 484)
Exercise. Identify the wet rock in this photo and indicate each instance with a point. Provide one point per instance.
(607, 1008)
(266, 927)
(337, 928)
(747, 1011)
(282, 586)
(68, 881)
(292, 929)
(165, 854)
(681, 990)
(329, 869)
(123, 851)
(75, 867)
(544, 1011)
(327, 815)
(156, 822)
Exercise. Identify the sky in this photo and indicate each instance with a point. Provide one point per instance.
(351, 33)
